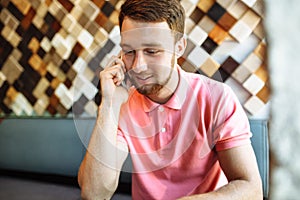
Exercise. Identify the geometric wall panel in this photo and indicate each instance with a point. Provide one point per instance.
(52, 51)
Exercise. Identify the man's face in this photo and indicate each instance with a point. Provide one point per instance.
(148, 54)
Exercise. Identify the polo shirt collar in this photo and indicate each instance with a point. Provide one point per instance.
(177, 99)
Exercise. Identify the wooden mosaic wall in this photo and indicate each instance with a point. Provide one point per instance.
(52, 50)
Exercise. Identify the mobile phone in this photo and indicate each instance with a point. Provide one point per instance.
(126, 82)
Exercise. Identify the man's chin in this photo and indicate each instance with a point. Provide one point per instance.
(151, 89)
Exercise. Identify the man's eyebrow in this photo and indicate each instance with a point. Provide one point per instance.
(143, 45)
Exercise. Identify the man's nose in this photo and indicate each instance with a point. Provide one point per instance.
(139, 64)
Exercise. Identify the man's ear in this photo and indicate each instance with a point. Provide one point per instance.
(180, 46)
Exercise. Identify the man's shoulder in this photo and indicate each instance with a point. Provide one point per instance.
(195, 78)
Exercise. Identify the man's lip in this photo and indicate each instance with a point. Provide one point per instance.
(143, 78)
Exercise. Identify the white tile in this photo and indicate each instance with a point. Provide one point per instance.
(237, 9)
(189, 25)
(114, 35)
(245, 48)
(79, 65)
(253, 84)
(198, 56)
(91, 108)
(2, 78)
(91, 10)
(258, 7)
(242, 94)
(222, 52)
(89, 90)
(85, 38)
(240, 31)
(67, 22)
(42, 10)
(241, 74)
(54, 8)
(197, 35)
(188, 6)
(77, 11)
(251, 19)
(254, 105)
(38, 21)
(249, 3)
(226, 3)
(252, 62)
(207, 24)
(24, 104)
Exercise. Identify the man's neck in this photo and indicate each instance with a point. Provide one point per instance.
(168, 90)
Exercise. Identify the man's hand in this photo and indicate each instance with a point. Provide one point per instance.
(111, 78)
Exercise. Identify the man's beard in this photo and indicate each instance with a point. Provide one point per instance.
(153, 89)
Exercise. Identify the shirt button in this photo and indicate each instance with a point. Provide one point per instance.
(161, 109)
(163, 130)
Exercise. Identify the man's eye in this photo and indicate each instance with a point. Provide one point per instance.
(152, 51)
(130, 52)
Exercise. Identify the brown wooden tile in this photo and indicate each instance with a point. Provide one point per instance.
(22, 5)
(61, 110)
(218, 35)
(41, 87)
(260, 50)
(262, 73)
(209, 67)
(92, 28)
(15, 39)
(27, 20)
(227, 21)
(12, 93)
(54, 83)
(36, 62)
(197, 15)
(229, 65)
(12, 70)
(34, 45)
(206, 5)
(99, 3)
(91, 10)
(264, 94)
(12, 22)
(83, 20)
(68, 5)
(114, 17)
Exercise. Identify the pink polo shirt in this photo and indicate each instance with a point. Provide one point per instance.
(173, 146)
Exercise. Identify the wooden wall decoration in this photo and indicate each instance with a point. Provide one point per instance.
(52, 50)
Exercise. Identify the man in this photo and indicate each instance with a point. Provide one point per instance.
(187, 135)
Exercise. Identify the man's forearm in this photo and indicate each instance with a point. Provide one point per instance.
(99, 172)
(235, 190)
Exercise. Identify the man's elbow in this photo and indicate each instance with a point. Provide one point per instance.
(88, 194)
(259, 189)
(100, 192)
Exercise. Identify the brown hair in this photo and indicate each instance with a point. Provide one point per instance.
(170, 11)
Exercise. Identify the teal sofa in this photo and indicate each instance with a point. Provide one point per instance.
(53, 146)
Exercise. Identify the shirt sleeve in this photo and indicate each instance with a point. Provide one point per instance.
(120, 136)
(231, 127)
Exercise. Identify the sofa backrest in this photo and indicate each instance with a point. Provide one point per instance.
(52, 146)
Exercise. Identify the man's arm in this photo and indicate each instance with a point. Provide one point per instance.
(240, 167)
(100, 169)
